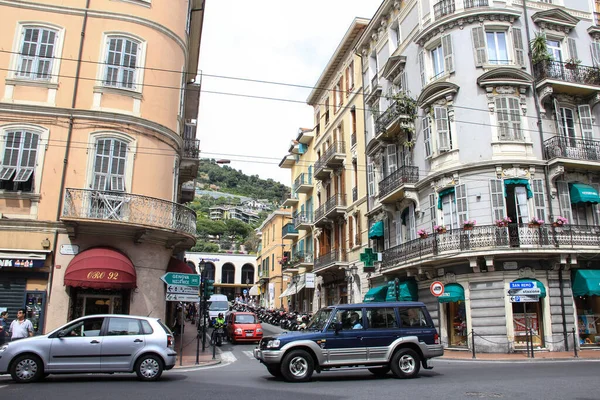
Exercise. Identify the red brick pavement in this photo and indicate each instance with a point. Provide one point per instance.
(187, 358)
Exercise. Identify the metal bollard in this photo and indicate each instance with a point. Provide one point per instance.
(214, 345)
(473, 341)
(575, 344)
(531, 336)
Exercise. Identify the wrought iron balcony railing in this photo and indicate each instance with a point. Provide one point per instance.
(401, 176)
(490, 237)
(128, 208)
(475, 3)
(302, 179)
(191, 148)
(299, 258)
(338, 147)
(302, 218)
(335, 256)
(572, 148)
(443, 8)
(567, 72)
(288, 229)
(404, 109)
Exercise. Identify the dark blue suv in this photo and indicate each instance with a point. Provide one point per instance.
(396, 336)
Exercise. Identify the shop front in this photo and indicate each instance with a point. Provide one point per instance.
(529, 318)
(100, 281)
(586, 291)
(453, 303)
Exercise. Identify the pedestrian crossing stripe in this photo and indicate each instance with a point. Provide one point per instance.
(228, 357)
(249, 353)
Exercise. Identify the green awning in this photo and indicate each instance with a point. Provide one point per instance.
(537, 284)
(453, 292)
(519, 181)
(443, 193)
(376, 294)
(407, 291)
(581, 193)
(586, 282)
(376, 230)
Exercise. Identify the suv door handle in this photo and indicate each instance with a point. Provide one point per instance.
(360, 338)
(94, 342)
(138, 341)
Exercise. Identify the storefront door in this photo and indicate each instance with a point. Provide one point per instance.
(99, 304)
(528, 316)
(456, 320)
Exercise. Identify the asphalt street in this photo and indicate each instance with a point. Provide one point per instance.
(240, 376)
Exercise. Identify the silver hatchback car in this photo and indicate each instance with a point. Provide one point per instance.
(96, 343)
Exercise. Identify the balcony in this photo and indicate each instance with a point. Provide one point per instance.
(297, 261)
(391, 188)
(573, 150)
(333, 158)
(336, 257)
(125, 214)
(303, 183)
(483, 240)
(188, 191)
(190, 160)
(334, 206)
(303, 220)
(397, 119)
(443, 8)
(475, 3)
(573, 79)
(263, 277)
(289, 232)
(291, 201)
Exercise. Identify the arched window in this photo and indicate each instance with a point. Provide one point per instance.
(209, 271)
(19, 157)
(247, 275)
(228, 273)
(109, 165)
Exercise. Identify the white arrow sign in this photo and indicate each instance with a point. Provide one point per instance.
(524, 299)
(182, 289)
(182, 297)
(525, 292)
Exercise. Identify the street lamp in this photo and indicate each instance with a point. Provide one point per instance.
(201, 331)
(295, 280)
(247, 289)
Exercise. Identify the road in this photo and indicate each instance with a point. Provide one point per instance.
(240, 376)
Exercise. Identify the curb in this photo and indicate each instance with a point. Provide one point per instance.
(515, 360)
(194, 367)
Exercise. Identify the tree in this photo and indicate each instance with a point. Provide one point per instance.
(236, 228)
(205, 226)
(205, 247)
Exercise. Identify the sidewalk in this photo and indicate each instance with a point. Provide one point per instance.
(187, 358)
(521, 356)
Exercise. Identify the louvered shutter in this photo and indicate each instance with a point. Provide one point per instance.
(595, 48)
(518, 46)
(392, 158)
(515, 118)
(559, 126)
(564, 199)
(585, 119)
(432, 211)
(412, 223)
(398, 228)
(539, 202)
(371, 179)
(478, 36)
(350, 232)
(422, 68)
(448, 53)
(596, 207)
(10, 161)
(460, 194)
(386, 232)
(442, 128)
(572, 48)
(403, 82)
(347, 74)
(426, 135)
(497, 199)
(28, 156)
(502, 117)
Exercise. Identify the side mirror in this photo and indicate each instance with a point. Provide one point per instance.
(61, 334)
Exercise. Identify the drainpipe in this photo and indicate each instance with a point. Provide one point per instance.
(68, 145)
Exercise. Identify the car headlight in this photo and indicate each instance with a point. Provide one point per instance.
(238, 330)
(258, 330)
(273, 344)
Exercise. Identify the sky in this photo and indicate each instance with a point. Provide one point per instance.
(282, 41)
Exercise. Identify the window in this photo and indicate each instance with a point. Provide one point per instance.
(87, 327)
(371, 179)
(350, 78)
(109, 165)
(442, 126)
(427, 135)
(36, 53)
(509, 118)
(391, 159)
(432, 212)
(437, 61)
(491, 46)
(122, 59)
(441, 60)
(326, 111)
(555, 50)
(19, 161)
(350, 319)
(382, 318)
(413, 318)
(123, 327)
(228, 274)
(566, 123)
(496, 47)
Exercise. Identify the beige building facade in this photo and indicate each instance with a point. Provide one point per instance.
(98, 107)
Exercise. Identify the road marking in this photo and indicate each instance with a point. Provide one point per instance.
(227, 357)
(249, 353)
(3, 386)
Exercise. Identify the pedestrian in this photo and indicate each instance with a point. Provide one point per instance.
(3, 327)
(21, 327)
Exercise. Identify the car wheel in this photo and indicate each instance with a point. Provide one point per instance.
(406, 363)
(379, 371)
(27, 368)
(297, 366)
(149, 368)
(274, 370)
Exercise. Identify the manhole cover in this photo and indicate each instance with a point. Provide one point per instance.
(483, 395)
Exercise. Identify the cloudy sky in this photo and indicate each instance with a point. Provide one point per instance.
(282, 41)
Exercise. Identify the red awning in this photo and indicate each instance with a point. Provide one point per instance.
(101, 268)
(176, 265)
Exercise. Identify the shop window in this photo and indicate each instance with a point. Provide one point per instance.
(588, 320)
(528, 317)
(457, 324)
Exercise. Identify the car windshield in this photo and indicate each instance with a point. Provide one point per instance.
(319, 320)
(245, 319)
(219, 306)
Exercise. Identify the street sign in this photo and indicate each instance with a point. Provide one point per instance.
(181, 297)
(176, 278)
(245, 291)
(182, 289)
(437, 288)
(524, 299)
(522, 285)
(525, 292)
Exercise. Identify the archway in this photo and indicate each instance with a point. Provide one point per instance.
(228, 273)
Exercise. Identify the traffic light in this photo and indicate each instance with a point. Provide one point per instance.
(209, 288)
(201, 288)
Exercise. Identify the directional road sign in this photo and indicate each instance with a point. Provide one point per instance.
(175, 278)
(182, 289)
(522, 285)
(181, 297)
(525, 292)
(524, 299)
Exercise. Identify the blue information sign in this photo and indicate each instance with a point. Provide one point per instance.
(522, 285)
(245, 291)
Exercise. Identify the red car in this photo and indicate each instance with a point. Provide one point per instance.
(243, 327)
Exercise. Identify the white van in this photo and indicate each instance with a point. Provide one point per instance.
(217, 304)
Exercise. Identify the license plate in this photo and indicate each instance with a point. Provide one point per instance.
(248, 334)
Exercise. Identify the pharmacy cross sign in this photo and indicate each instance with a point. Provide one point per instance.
(368, 257)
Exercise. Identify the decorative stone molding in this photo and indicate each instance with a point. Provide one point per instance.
(594, 32)
(436, 91)
(555, 19)
(397, 5)
(489, 263)
(515, 172)
(595, 100)
(450, 277)
(526, 272)
(473, 264)
(412, 195)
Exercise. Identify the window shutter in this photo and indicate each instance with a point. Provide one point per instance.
(386, 232)
(572, 48)
(347, 81)
(515, 118)
(478, 36)
(560, 128)
(392, 158)
(350, 232)
(432, 212)
(398, 227)
(426, 135)
(585, 119)
(448, 54)
(422, 68)
(596, 207)
(595, 48)
(564, 200)
(538, 199)
(412, 224)
(441, 122)
(461, 203)
(502, 117)
(403, 81)
(518, 46)
(371, 179)
(497, 199)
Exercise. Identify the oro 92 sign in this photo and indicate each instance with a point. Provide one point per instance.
(102, 275)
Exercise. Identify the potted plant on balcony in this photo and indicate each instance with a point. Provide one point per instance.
(539, 49)
(535, 222)
(439, 229)
(503, 223)
(469, 224)
(422, 233)
(560, 221)
(572, 63)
